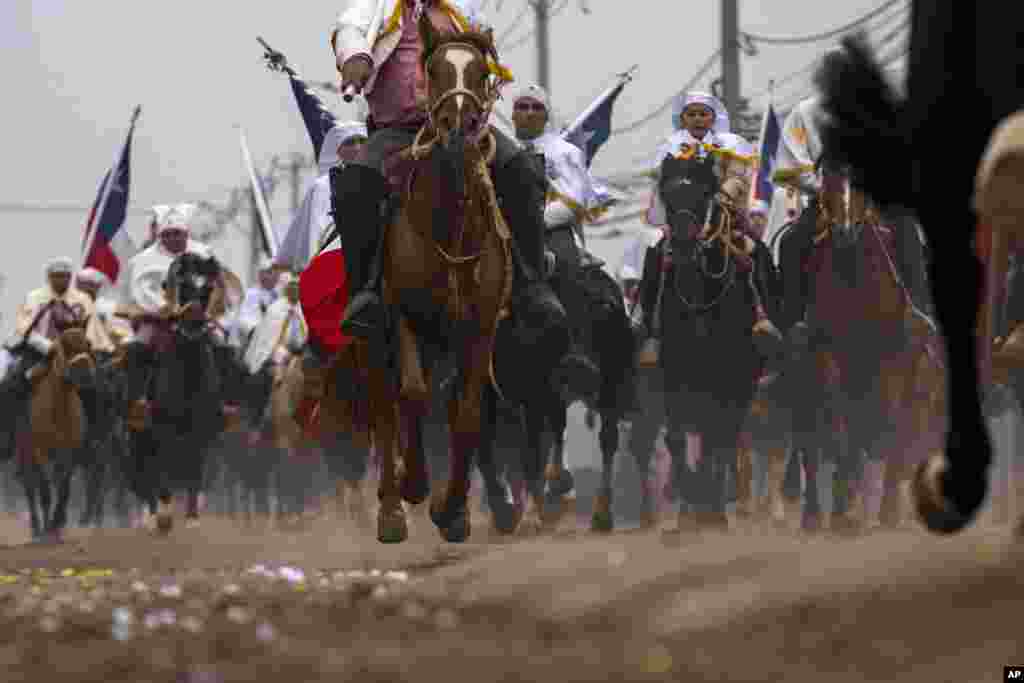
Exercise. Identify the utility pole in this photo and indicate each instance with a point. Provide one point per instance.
(296, 168)
(542, 13)
(731, 56)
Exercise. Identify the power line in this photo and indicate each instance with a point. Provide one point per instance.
(818, 37)
(668, 103)
(514, 24)
(898, 32)
(529, 34)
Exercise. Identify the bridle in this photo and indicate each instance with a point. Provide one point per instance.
(485, 103)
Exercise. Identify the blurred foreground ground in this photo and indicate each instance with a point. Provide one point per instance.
(222, 603)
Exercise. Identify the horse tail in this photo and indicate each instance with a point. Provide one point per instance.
(862, 105)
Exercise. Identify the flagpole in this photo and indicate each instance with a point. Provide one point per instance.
(760, 140)
(261, 203)
(101, 207)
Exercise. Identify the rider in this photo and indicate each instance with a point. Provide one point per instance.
(311, 226)
(797, 166)
(141, 285)
(36, 330)
(281, 331)
(572, 197)
(91, 282)
(258, 299)
(702, 129)
(389, 72)
(312, 231)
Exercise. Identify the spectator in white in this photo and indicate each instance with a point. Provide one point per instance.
(313, 223)
(115, 330)
(258, 300)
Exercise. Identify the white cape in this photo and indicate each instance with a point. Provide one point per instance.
(271, 331)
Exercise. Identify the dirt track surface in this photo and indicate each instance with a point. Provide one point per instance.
(328, 605)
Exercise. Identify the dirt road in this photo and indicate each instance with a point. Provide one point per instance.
(220, 603)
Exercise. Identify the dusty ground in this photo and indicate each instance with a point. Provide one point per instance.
(327, 604)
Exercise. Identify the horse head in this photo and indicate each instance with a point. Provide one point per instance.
(189, 287)
(460, 85)
(688, 187)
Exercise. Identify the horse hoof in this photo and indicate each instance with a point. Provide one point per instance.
(445, 511)
(601, 520)
(936, 511)
(561, 484)
(415, 490)
(505, 512)
(458, 530)
(192, 523)
(392, 526)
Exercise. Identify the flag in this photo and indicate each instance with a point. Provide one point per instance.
(593, 127)
(256, 185)
(315, 114)
(771, 135)
(107, 244)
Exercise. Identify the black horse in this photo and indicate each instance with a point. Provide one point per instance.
(916, 171)
(701, 283)
(186, 387)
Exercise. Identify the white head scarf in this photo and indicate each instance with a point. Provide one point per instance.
(535, 92)
(176, 217)
(334, 137)
(683, 100)
(157, 213)
(91, 276)
(61, 264)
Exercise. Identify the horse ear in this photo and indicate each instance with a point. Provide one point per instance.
(428, 34)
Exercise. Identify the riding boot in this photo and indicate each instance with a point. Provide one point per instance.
(358, 195)
(521, 187)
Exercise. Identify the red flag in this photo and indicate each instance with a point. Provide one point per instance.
(323, 295)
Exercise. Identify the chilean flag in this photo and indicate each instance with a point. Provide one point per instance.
(106, 244)
(771, 134)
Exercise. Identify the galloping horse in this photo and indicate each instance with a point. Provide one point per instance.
(57, 422)
(186, 385)
(596, 308)
(862, 354)
(446, 278)
(903, 164)
(707, 295)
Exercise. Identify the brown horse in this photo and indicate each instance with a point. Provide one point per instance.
(56, 425)
(859, 312)
(446, 278)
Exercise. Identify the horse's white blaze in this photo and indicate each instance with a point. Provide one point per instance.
(459, 59)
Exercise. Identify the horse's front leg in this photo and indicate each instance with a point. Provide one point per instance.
(603, 518)
(450, 512)
(62, 473)
(499, 495)
(31, 482)
(391, 523)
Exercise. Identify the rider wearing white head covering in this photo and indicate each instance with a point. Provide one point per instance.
(258, 298)
(683, 142)
(35, 334)
(281, 331)
(311, 224)
(142, 282)
(573, 198)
